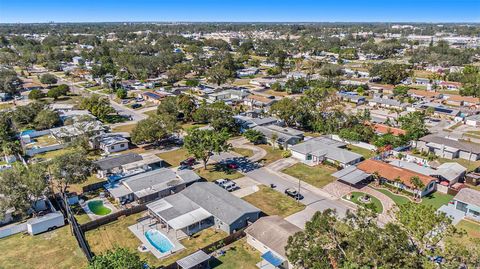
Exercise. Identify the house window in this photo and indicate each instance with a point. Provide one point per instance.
(112, 147)
(474, 213)
(462, 206)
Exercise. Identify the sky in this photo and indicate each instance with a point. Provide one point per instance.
(27, 11)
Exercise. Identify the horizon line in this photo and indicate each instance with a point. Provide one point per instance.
(254, 22)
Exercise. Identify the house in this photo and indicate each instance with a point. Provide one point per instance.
(439, 109)
(458, 100)
(246, 122)
(151, 185)
(258, 101)
(320, 149)
(119, 166)
(449, 85)
(398, 177)
(351, 97)
(69, 132)
(468, 201)
(203, 205)
(473, 120)
(77, 60)
(297, 75)
(448, 148)
(228, 95)
(281, 136)
(382, 129)
(247, 72)
(388, 103)
(269, 235)
(155, 97)
(109, 143)
(446, 173)
(424, 95)
(472, 178)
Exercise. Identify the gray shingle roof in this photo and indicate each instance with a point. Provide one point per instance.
(461, 145)
(322, 146)
(117, 161)
(220, 203)
(469, 196)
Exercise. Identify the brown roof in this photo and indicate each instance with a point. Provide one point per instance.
(273, 232)
(390, 172)
(424, 93)
(259, 98)
(459, 98)
(385, 129)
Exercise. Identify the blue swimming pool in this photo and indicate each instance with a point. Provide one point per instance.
(158, 240)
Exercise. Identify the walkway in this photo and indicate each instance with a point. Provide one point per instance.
(258, 152)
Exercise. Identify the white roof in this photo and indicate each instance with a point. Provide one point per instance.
(189, 218)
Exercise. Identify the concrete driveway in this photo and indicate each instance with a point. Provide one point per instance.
(247, 186)
(453, 213)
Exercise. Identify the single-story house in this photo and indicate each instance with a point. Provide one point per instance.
(458, 100)
(351, 175)
(382, 129)
(109, 143)
(246, 72)
(388, 103)
(424, 95)
(439, 109)
(113, 164)
(284, 136)
(151, 185)
(448, 148)
(319, 149)
(473, 120)
(246, 122)
(398, 177)
(68, 132)
(228, 95)
(203, 205)
(258, 101)
(447, 173)
(155, 97)
(450, 85)
(269, 235)
(468, 201)
(351, 97)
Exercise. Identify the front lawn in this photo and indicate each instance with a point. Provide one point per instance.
(272, 202)
(273, 154)
(244, 152)
(55, 249)
(238, 255)
(218, 171)
(398, 199)
(375, 203)
(436, 199)
(174, 157)
(318, 176)
(124, 128)
(366, 153)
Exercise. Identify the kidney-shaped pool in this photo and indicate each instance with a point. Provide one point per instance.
(158, 240)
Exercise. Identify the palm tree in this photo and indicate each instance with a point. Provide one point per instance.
(398, 180)
(418, 186)
(376, 178)
(274, 140)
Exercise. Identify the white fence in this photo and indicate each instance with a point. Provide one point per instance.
(353, 143)
(13, 229)
(33, 151)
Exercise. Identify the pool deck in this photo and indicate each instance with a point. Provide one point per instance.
(94, 216)
(139, 230)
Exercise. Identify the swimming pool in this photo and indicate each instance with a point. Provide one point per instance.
(97, 207)
(158, 240)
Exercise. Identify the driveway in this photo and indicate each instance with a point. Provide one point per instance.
(258, 152)
(247, 186)
(453, 213)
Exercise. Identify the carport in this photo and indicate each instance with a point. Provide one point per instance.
(351, 175)
(197, 260)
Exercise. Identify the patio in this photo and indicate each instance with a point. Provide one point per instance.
(147, 223)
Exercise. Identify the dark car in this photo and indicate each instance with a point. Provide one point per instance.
(293, 193)
(134, 106)
(188, 162)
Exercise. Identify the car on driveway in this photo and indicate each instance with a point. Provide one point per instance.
(189, 161)
(227, 184)
(293, 193)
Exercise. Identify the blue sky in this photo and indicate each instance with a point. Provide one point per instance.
(240, 11)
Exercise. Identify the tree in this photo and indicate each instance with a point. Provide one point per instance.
(22, 187)
(70, 168)
(119, 258)
(389, 73)
(36, 94)
(48, 79)
(46, 119)
(219, 115)
(98, 106)
(203, 143)
(186, 105)
(254, 136)
(153, 129)
(218, 74)
(418, 185)
(121, 93)
(60, 90)
(274, 140)
(9, 81)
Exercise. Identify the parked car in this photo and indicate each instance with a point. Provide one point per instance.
(189, 161)
(134, 106)
(230, 186)
(232, 166)
(221, 182)
(293, 193)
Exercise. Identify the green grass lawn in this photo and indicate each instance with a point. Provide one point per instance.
(239, 255)
(5, 106)
(245, 152)
(189, 125)
(151, 113)
(367, 154)
(78, 188)
(217, 171)
(398, 199)
(318, 176)
(124, 128)
(377, 205)
(272, 154)
(174, 157)
(272, 202)
(55, 249)
(52, 154)
(472, 236)
(436, 199)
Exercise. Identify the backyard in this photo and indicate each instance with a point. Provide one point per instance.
(374, 204)
(239, 255)
(116, 233)
(272, 202)
(174, 157)
(318, 176)
(367, 154)
(218, 171)
(55, 249)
